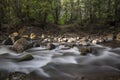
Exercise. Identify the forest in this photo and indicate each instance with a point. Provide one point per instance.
(90, 13)
(59, 39)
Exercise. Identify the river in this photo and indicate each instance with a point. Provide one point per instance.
(63, 64)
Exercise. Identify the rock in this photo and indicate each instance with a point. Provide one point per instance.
(9, 40)
(36, 45)
(95, 41)
(50, 46)
(118, 37)
(25, 36)
(26, 57)
(32, 36)
(70, 40)
(85, 50)
(15, 36)
(21, 45)
(64, 40)
(43, 36)
(110, 37)
(84, 43)
(70, 45)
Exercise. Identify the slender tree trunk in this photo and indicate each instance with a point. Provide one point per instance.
(99, 9)
(109, 6)
(90, 11)
(57, 9)
(45, 18)
(71, 12)
(27, 11)
(116, 10)
(1, 11)
(79, 11)
(8, 11)
(86, 9)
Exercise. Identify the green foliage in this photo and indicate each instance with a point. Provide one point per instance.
(58, 11)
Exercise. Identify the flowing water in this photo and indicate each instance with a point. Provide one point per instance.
(65, 64)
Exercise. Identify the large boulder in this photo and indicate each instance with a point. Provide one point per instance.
(21, 45)
(85, 50)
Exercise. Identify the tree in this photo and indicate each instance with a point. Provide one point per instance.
(56, 9)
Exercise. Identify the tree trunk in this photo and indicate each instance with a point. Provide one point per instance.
(57, 9)
(116, 10)
(1, 13)
(45, 18)
(79, 11)
(99, 9)
(90, 12)
(71, 13)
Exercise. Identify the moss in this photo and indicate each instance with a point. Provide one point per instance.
(26, 57)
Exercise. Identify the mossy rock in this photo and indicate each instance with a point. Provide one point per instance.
(26, 57)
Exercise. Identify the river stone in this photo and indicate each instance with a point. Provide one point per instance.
(118, 37)
(16, 36)
(50, 46)
(26, 57)
(8, 41)
(85, 50)
(21, 45)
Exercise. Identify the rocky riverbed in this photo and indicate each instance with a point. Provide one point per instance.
(60, 57)
(61, 63)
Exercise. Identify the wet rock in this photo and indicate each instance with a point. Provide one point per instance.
(69, 45)
(85, 50)
(50, 46)
(21, 45)
(26, 57)
(36, 45)
(9, 40)
(95, 41)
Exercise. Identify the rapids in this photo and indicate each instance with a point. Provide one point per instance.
(66, 63)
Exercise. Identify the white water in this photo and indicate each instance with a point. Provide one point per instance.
(106, 61)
